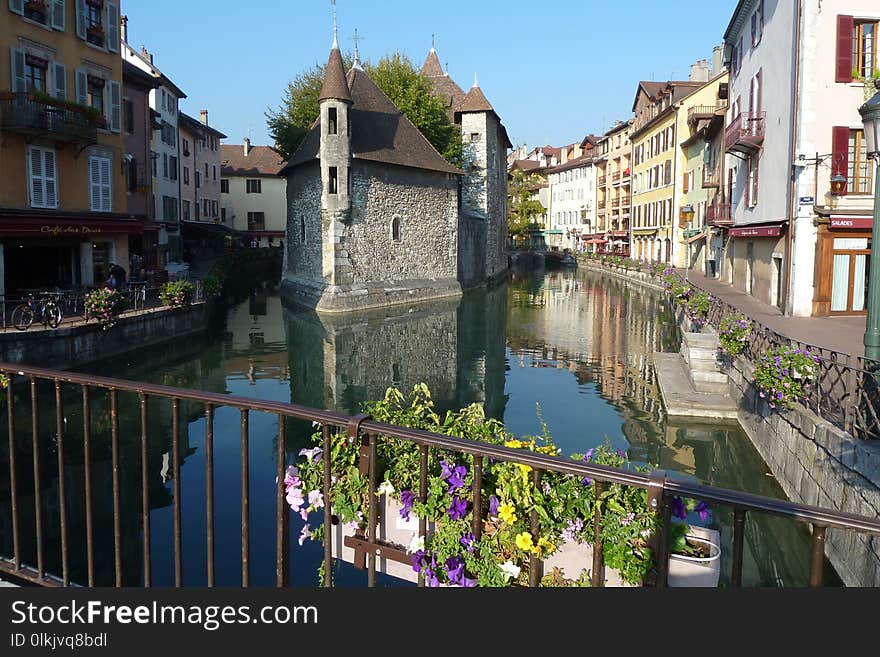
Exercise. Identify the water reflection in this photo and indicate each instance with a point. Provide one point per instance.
(570, 349)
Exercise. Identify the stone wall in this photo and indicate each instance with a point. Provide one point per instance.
(304, 259)
(64, 348)
(471, 251)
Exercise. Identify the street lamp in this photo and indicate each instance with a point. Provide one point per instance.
(870, 112)
(687, 213)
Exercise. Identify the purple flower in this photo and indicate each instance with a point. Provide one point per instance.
(455, 573)
(418, 560)
(779, 395)
(446, 470)
(469, 542)
(621, 453)
(588, 455)
(702, 510)
(457, 509)
(456, 478)
(407, 498)
(586, 481)
(493, 506)
(679, 510)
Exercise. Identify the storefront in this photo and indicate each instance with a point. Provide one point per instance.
(756, 261)
(843, 257)
(48, 252)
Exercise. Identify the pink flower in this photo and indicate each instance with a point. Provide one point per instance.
(295, 498)
(304, 514)
(316, 499)
(304, 534)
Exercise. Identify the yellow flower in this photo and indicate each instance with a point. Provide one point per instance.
(524, 541)
(524, 468)
(544, 546)
(507, 513)
(516, 444)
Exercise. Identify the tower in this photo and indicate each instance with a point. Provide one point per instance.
(335, 157)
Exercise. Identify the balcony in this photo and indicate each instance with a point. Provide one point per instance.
(718, 214)
(746, 133)
(601, 205)
(25, 114)
(711, 178)
(601, 181)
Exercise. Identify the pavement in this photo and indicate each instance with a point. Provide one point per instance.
(842, 334)
(679, 396)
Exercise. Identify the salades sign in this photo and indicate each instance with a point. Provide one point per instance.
(863, 223)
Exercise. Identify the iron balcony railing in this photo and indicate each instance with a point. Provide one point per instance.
(711, 178)
(745, 134)
(39, 483)
(718, 214)
(24, 114)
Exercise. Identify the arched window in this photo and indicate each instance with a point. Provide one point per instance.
(395, 228)
(302, 230)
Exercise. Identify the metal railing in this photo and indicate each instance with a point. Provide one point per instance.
(333, 426)
(745, 132)
(21, 112)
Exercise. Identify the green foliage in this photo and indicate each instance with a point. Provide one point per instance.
(396, 76)
(176, 294)
(94, 114)
(784, 375)
(564, 504)
(524, 209)
(105, 305)
(734, 334)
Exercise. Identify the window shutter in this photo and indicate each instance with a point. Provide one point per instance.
(115, 107)
(19, 84)
(684, 182)
(50, 185)
(748, 191)
(16, 6)
(82, 87)
(844, 67)
(35, 170)
(755, 164)
(60, 81)
(81, 19)
(840, 151)
(106, 184)
(94, 184)
(760, 82)
(112, 27)
(59, 12)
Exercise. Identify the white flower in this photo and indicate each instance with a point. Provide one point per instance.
(416, 543)
(510, 569)
(385, 488)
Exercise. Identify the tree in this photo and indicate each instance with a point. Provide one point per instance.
(524, 208)
(396, 76)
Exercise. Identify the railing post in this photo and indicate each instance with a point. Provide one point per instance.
(282, 512)
(597, 576)
(817, 556)
(739, 522)
(535, 564)
(658, 501)
(326, 443)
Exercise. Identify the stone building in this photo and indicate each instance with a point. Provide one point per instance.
(376, 216)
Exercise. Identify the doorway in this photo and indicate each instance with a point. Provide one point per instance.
(776, 282)
(750, 268)
(851, 258)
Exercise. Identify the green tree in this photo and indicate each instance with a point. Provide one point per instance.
(524, 209)
(396, 76)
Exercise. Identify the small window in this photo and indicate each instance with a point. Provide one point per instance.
(254, 186)
(224, 186)
(395, 229)
(302, 230)
(198, 179)
(256, 221)
(214, 172)
(334, 181)
(128, 113)
(331, 121)
(173, 167)
(475, 136)
(186, 175)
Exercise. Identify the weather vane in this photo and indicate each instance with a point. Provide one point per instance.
(357, 38)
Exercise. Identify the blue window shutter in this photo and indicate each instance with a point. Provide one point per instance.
(113, 27)
(19, 84)
(16, 6)
(59, 14)
(60, 81)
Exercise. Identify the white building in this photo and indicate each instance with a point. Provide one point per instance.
(795, 94)
(165, 153)
(253, 196)
(572, 210)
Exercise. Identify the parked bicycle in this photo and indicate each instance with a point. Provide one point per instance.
(46, 308)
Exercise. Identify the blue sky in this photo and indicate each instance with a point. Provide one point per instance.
(553, 70)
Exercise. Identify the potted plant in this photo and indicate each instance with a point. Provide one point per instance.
(177, 294)
(734, 334)
(784, 375)
(105, 305)
(694, 556)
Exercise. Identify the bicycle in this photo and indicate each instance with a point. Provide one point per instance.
(46, 308)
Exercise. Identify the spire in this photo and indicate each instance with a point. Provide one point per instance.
(357, 53)
(335, 84)
(335, 29)
(432, 67)
(476, 81)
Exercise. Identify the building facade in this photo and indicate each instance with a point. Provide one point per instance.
(572, 211)
(200, 169)
(616, 190)
(63, 200)
(253, 197)
(164, 101)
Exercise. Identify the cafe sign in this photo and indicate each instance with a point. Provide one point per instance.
(756, 231)
(863, 223)
(55, 231)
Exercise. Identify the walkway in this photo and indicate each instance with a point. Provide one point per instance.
(843, 334)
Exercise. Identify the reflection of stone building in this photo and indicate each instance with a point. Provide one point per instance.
(339, 362)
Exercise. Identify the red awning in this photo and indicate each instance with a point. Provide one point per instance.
(69, 227)
(842, 221)
(774, 230)
(596, 240)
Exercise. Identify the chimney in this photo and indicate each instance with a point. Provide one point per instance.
(203, 115)
(700, 71)
(247, 146)
(717, 60)
(146, 55)
(123, 27)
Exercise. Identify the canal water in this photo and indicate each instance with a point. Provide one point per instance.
(569, 348)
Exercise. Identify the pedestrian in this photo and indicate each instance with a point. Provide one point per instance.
(118, 273)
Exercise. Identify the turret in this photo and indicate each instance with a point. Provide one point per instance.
(335, 151)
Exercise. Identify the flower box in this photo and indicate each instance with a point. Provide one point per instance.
(696, 572)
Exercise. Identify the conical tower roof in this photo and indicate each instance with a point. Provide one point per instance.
(476, 101)
(432, 67)
(335, 85)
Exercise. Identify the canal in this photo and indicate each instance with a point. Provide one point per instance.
(570, 349)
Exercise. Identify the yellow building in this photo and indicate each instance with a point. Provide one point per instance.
(63, 198)
(654, 137)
